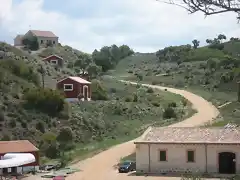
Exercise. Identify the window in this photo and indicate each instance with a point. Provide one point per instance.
(41, 41)
(53, 42)
(163, 155)
(68, 87)
(190, 156)
(54, 61)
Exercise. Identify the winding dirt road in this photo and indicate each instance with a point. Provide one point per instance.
(100, 166)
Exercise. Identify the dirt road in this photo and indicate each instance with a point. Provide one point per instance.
(100, 167)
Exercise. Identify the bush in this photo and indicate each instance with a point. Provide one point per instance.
(135, 97)
(2, 116)
(172, 104)
(169, 113)
(12, 123)
(98, 91)
(150, 90)
(31, 43)
(52, 151)
(46, 100)
(128, 99)
(157, 104)
(21, 69)
(40, 127)
(65, 135)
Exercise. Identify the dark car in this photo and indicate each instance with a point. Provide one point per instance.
(127, 166)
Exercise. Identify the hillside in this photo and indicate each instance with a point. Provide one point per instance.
(211, 71)
(118, 111)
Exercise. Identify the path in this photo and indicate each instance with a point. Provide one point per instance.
(223, 105)
(100, 166)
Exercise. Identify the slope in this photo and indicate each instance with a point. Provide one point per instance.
(103, 163)
(118, 111)
(212, 72)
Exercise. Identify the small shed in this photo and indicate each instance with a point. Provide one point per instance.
(75, 88)
(19, 146)
(54, 60)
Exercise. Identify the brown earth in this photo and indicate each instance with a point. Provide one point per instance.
(101, 166)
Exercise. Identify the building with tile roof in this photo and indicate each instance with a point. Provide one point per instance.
(44, 38)
(189, 149)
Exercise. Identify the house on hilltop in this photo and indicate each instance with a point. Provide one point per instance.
(189, 149)
(44, 38)
(75, 88)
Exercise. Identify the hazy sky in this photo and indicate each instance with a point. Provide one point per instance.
(144, 25)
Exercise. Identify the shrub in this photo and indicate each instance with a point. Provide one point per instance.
(128, 99)
(169, 113)
(172, 104)
(2, 116)
(65, 135)
(157, 104)
(46, 100)
(98, 91)
(21, 69)
(52, 151)
(31, 43)
(135, 97)
(12, 123)
(40, 127)
(150, 90)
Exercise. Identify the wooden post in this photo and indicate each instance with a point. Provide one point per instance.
(42, 72)
(238, 91)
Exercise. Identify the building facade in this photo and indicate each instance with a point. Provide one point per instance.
(20, 146)
(44, 38)
(54, 60)
(75, 88)
(197, 152)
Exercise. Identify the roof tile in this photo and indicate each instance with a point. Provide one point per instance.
(39, 33)
(192, 135)
(16, 146)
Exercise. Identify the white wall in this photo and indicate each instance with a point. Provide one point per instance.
(177, 158)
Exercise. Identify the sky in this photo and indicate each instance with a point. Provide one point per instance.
(144, 25)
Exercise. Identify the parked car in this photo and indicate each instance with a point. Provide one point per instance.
(127, 166)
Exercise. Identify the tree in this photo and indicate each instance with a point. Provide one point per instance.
(195, 43)
(65, 135)
(93, 70)
(98, 91)
(31, 43)
(209, 41)
(83, 62)
(221, 37)
(209, 7)
(108, 57)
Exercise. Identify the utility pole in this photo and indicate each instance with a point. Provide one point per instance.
(42, 73)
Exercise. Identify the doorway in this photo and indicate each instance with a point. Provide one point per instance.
(227, 163)
(85, 92)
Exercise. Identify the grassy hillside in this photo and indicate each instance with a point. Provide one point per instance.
(118, 111)
(212, 72)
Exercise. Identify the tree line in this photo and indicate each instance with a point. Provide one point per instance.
(100, 60)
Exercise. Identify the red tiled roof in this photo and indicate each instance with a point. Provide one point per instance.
(16, 146)
(43, 33)
(52, 56)
(192, 135)
(77, 79)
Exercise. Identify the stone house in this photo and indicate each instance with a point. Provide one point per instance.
(189, 150)
(43, 37)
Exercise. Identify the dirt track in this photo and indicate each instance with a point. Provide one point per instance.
(100, 167)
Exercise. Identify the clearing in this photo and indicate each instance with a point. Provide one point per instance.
(101, 165)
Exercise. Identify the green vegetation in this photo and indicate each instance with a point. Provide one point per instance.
(211, 71)
(31, 107)
(31, 43)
